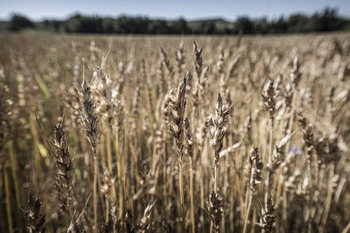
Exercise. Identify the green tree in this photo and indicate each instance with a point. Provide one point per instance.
(180, 27)
(19, 22)
(244, 25)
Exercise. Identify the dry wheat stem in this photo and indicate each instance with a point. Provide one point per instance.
(177, 104)
(90, 127)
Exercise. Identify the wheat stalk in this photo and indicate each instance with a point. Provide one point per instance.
(90, 128)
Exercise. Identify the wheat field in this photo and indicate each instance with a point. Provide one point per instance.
(174, 134)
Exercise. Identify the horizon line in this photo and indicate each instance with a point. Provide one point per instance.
(189, 19)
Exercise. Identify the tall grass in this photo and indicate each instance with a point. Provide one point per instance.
(143, 135)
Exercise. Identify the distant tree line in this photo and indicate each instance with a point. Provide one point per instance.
(326, 20)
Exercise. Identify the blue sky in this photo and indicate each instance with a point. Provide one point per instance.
(168, 9)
